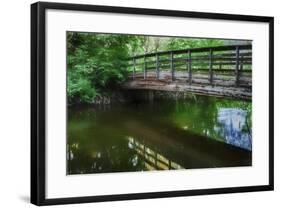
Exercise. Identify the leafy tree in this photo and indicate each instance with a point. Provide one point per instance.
(96, 62)
(185, 43)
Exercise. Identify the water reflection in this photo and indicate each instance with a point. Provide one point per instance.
(196, 133)
(233, 123)
(152, 160)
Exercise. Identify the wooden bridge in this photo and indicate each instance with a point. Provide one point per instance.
(224, 71)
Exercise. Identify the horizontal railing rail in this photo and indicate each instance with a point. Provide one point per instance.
(204, 49)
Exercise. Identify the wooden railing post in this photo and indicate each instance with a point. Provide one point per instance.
(172, 65)
(211, 66)
(134, 69)
(157, 66)
(144, 69)
(189, 67)
(237, 67)
(241, 63)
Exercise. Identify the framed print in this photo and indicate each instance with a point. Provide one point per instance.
(134, 103)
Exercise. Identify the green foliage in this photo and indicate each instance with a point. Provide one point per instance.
(96, 62)
(80, 90)
(185, 43)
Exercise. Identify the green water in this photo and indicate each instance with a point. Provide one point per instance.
(200, 132)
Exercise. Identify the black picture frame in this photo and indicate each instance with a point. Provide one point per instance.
(38, 98)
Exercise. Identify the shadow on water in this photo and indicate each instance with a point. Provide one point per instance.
(192, 133)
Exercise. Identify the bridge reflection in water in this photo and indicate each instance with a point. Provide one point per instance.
(152, 160)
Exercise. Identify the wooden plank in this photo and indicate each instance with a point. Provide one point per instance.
(206, 58)
(228, 63)
(201, 58)
(200, 78)
(219, 91)
(198, 50)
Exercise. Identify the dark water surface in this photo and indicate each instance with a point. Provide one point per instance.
(200, 132)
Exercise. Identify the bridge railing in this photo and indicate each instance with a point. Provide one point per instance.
(222, 65)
